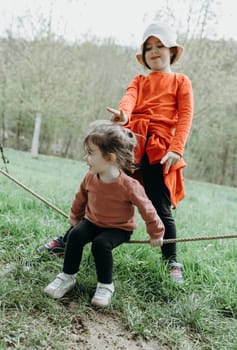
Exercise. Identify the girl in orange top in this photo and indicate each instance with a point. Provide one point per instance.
(103, 210)
(158, 107)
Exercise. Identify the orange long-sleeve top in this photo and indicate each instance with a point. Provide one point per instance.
(160, 109)
(113, 204)
(166, 101)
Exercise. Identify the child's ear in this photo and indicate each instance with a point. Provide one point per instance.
(112, 157)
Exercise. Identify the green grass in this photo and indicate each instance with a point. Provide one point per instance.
(201, 314)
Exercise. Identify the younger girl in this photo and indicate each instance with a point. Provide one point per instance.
(102, 211)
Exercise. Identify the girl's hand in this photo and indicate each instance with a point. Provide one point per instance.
(118, 116)
(156, 242)
(72, 222)
(170, 158)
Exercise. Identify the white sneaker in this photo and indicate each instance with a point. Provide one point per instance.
(60, 286)
(103, 294)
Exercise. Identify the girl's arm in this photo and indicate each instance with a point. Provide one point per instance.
(154, 225)
(77, 211)
(185, 105)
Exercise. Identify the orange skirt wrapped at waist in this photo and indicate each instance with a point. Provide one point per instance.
(154, 140)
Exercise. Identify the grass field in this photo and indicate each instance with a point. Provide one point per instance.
(200, 314)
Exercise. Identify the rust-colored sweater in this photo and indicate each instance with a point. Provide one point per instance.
(160, 111)
(113, 204)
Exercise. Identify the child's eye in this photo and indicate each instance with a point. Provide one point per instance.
(149, 48)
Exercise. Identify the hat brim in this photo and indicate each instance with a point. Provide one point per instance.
(179, 53)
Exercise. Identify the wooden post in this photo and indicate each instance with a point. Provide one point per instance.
(35, 140)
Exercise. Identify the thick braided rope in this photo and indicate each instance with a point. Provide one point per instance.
(166, 241)
(188, 239)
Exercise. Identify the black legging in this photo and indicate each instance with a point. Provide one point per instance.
(104, 240)
(158, 193)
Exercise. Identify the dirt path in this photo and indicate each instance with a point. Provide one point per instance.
(99, 330)
(102, 331)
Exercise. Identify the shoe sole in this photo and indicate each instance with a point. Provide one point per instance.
(98, 304)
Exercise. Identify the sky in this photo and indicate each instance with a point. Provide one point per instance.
(122, 20)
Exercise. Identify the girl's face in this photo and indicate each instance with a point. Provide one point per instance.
(98, 164)
(157, 56)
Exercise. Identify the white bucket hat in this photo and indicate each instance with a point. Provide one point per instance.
(166, 35)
